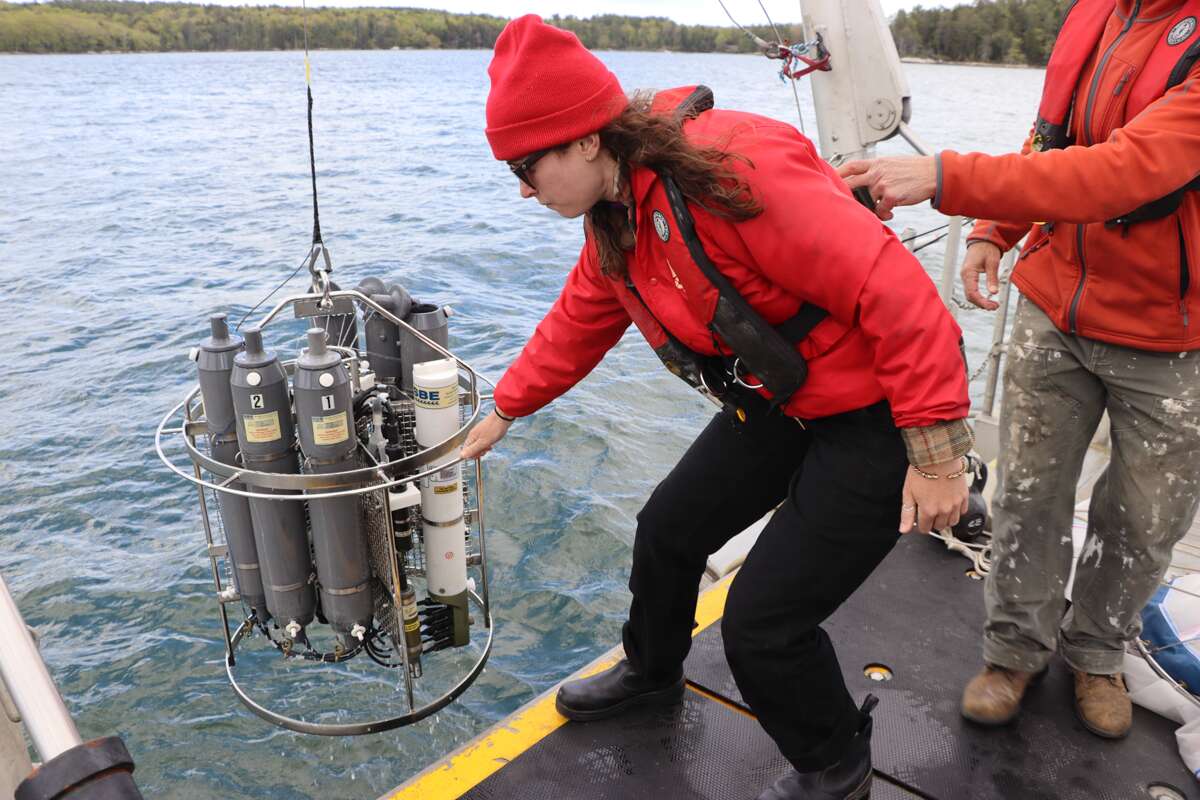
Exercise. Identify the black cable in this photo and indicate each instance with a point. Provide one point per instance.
(770, 22)
(756, 39)
(311, 256)
(380, 657)
(934, 240)
(295, 272)
(310, 654)
(312, 157)
(915, 236)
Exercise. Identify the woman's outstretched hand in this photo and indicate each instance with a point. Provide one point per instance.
(895, 181)
(484, 436)
(933, 503)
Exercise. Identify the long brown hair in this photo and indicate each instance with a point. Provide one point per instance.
(639, 137)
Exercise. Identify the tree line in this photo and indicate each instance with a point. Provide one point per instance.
(997, 31)
(75, 26)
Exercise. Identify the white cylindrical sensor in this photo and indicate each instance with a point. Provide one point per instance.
(435, 392)
(435, 395)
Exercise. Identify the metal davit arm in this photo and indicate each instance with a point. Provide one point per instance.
(99, 768)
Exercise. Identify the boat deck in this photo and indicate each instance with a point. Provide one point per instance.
(919, 619)
(1186, 558)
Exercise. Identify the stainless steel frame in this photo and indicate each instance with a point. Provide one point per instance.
(372, 726)
(372, 478)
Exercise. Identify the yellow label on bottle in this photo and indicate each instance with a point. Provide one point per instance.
(449, 488)
(331, 429)
(261, 428)
(436, 397)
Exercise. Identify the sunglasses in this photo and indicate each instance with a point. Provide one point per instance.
(521, 168)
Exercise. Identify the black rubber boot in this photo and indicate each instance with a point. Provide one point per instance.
(848, 779)
(615, 690)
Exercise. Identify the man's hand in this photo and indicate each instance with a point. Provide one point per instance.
(483, 436)
(982, 257)
(933, 503)
(893, 181)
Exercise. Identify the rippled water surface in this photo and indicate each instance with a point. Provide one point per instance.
(141, 193)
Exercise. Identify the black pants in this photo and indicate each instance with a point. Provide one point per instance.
(839, 482)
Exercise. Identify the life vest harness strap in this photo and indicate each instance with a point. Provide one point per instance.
(1048, 135)
(769, 352)
(1168, 204)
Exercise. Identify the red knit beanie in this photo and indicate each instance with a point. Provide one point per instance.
(547, 89)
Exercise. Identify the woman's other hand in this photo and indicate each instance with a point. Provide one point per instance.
(484, 436)
(895, 181)
(933, 503)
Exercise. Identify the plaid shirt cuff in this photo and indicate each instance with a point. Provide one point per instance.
(942, 441)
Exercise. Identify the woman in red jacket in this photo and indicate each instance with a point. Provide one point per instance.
(701, 225)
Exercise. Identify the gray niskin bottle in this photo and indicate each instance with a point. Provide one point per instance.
(267, 437)
(382, 335)
(215, 363)
(434, 322)
(328, 441)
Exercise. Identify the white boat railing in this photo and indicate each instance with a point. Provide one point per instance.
(37, 700)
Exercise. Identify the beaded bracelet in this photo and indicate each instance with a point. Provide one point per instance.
(503, 416)
(966, 466)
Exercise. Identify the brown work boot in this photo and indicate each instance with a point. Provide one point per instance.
(993, 697)
(1103, 705)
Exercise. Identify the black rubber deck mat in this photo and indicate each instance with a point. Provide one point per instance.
(699, 749)
(920, 616)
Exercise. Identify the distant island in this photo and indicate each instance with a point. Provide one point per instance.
(1006, 31)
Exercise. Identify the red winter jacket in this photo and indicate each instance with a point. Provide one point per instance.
(888, 334)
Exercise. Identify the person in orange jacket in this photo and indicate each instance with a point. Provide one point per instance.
(1107, 181)
(755, 275)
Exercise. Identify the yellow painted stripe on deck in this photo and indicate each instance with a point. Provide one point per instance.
(716, 698)
(711, 605)
(471, 764)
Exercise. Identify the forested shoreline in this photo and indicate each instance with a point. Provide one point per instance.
(988, 31)
(1000, 32)
(73, 26)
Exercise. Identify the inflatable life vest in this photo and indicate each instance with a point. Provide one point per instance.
(758, 348)
(1168, 64)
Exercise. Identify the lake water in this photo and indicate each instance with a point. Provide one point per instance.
(141, 193)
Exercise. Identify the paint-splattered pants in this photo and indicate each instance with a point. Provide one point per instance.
(1056, 388)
